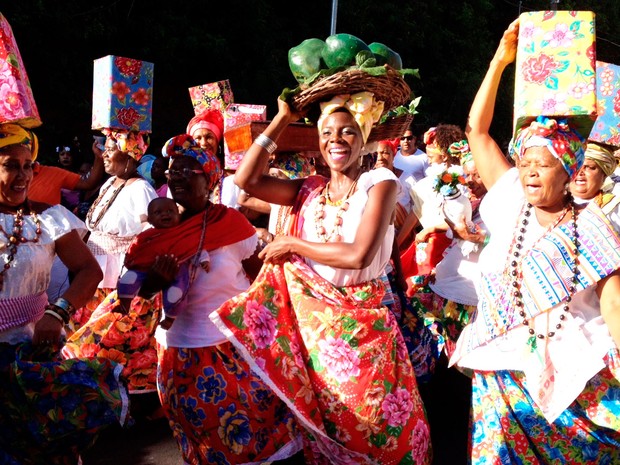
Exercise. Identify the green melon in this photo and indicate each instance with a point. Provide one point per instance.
(305, 60)
(385, 55)
(341, 49)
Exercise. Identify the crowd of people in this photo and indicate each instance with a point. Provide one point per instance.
(317, 311)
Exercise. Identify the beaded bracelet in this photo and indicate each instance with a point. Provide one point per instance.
(64, 304)
(51, 312)
(266, 143)
(487, 238)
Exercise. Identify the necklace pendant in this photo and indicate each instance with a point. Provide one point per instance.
(532, 343)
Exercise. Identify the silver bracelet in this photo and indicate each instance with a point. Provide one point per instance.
(55, 315)
(266, 143)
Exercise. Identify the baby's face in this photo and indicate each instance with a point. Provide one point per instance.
(163, 213)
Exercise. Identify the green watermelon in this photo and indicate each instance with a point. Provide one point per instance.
(341, 49)
(305, 60)
(385, 55)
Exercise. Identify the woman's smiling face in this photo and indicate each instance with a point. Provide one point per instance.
(340, 141)
(15, 174)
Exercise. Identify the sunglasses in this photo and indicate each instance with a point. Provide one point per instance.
(406, 138)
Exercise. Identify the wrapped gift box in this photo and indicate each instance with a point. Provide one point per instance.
(213, 96)
(556, 68)
(122, 94)
(237, 114)
(607, 125)
(18, 105)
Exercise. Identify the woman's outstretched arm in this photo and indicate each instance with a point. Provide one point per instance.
(488, 156)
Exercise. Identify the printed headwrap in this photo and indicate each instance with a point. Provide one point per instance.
(461, 151)
(210, 119)
(603, 157)
(294, 166)
(391, 143)
(429, 136)
(362, 105)
(564, 143)
(14, 134)
(185, 146)
(132, 143)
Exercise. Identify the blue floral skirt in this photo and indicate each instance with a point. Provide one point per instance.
(51, 410)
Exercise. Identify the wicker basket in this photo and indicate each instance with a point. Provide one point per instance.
(391, 129)
(389, 88)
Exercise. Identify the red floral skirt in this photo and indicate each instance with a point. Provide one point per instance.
(337, 359)
(126, 339)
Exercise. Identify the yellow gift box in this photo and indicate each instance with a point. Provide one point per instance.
(556, 68)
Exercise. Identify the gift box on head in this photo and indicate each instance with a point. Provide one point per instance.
(122, 94)
(607, 125)
(235, 115)
(556, 68)
(213, 96)
(18, 105)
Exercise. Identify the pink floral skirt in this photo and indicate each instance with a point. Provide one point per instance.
(336, 357)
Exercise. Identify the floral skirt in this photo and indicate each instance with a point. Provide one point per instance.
(52, 410)
(444, 318)
(509, 429)
(126, 339)
(220, 412)
(337, 359)
(81, 316)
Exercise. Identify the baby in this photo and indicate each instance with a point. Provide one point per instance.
(162, 213)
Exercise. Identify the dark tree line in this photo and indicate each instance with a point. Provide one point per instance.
(193, 42)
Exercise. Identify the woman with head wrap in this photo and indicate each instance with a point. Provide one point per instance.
(312, 324)
(543, 343)
(593, 183)
(207, 129)
(114, 219)
(219, 410)
(44, 401)
(444, 145)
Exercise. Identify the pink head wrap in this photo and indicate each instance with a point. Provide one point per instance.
(210, 119)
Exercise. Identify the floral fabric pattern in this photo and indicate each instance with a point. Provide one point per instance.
(509, 429)
(607, 125)
(337, 359)
(67, 403)
(198, 385)
(18, 105)
(556, 69)
(125, 339)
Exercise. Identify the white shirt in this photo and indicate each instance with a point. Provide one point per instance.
(414, 164)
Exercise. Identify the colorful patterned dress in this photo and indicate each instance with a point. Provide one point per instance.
(332, 354)
(99, 327)
(555, 400)
(50, 410)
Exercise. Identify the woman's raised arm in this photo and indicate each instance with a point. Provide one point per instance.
(488, 156)
(251, 177)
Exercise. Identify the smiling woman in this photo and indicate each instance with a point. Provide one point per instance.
(312, 325)
(34, 381)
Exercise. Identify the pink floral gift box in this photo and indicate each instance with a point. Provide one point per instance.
(213, 96)
(607, 126)
(18, 105)
(556, 68)
(122, 94)
(235, 115)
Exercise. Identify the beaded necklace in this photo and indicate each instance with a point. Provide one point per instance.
(516, 275)
(16, 237)
(343, 204)
(89, 216)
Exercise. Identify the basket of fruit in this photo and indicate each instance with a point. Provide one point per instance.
(344, 64)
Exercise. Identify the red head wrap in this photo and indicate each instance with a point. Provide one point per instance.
(210, 119)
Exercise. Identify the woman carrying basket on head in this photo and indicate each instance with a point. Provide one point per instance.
(312, 325)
